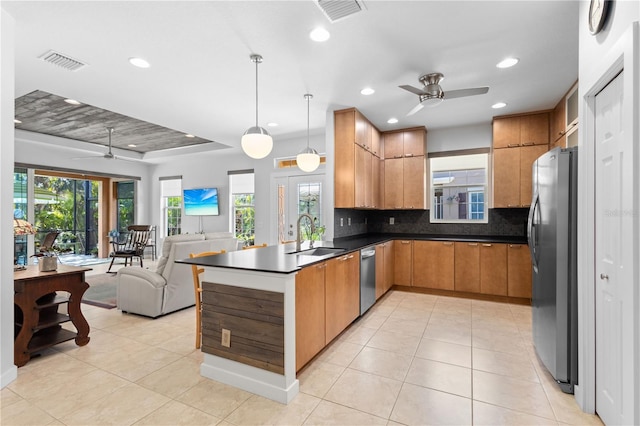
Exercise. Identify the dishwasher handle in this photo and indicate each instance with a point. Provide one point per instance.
(367, 253)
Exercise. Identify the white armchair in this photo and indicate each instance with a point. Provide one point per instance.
(170, 287)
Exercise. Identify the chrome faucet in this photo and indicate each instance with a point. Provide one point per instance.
(313, 229)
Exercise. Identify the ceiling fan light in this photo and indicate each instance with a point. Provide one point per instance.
(308, 160)
(431, 102)
(256, 142)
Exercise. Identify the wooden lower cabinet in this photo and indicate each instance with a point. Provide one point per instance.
(384, 268)
(493, 269)
(342, 293)
(403, 262)
(467, 267)
(528, 154)
(433, 264)
(519, 271)
(310, 313)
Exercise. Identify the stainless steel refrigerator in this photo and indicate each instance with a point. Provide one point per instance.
(551, 233)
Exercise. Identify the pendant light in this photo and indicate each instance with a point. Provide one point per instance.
(256, 141)
(308, 160)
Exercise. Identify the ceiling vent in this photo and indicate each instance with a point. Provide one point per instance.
(61, 60)
(335, 10)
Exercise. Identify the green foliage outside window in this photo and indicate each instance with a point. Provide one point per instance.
(245, 218)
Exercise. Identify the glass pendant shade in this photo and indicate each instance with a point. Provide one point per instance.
(308, 160)
(256, 142)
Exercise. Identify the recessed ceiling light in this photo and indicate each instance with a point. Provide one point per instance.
(139, 62)
(319, 34)
(367, 91)
(15, 120)
(507, 63)
(498, 105)
(72, 101)
(132, 145)
(272, 124)
(392, 120)
(189, 135)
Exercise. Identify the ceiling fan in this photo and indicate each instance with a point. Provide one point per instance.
(432, 94)
(109, 155)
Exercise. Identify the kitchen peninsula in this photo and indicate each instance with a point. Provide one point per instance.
(249, 321)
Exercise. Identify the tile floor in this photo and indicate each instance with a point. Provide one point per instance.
(412, 359)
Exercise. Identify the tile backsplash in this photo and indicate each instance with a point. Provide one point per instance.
(502, 222)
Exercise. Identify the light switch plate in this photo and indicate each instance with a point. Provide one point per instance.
(226, 338)
(342, 221)
(349, 221)
(392, 221)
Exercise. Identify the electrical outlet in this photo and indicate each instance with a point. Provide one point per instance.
(392, 221)
(226, 338)
(342, 221)
(349, 221)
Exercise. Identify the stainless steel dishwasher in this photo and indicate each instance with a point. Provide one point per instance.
(367, 278)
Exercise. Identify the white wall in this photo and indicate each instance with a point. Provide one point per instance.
(204, 170)
(457, 138)
(592, 52)
(8, 371)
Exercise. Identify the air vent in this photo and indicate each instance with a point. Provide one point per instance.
(335, 10)
(61, 60)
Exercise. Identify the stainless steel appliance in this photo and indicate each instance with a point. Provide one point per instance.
(551, 233)
(367, 278)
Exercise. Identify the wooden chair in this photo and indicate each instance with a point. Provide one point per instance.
(134, 245)
(48, 241)
(197, 287)
(254, 246)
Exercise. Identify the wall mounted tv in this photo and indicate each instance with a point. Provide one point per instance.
(201, 202)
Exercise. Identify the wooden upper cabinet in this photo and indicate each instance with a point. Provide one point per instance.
(403, 262)
(467, 267)
(521, 130)
(559, 121)
(375, 142)
(433, 264)
(534, 129)
(414, 182)
(493, 269)
(405, 143)
(345, 158)
(393, 178)
(362, 166)
(362, 133)
(506, 177)
(519, 273)
(414, 142)
(506, 132)
(393, 145)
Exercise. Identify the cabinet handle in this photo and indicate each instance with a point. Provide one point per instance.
(472, 244)
(408, 155)
(447, 244)
(515, 246)
(324, 265)
(397, 156)
(528, 144)
(513, 145)
(405, 242)
(487, 245)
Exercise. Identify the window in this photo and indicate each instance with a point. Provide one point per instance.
(171, 196)
(459, 188)
(242, 205)
(125, 200)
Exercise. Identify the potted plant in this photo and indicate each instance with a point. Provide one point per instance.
(47, 260)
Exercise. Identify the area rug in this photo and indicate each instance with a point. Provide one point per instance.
(102, 290)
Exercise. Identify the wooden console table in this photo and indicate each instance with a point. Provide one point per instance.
(37, 320)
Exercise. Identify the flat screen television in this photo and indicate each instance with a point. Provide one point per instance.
(201, 202)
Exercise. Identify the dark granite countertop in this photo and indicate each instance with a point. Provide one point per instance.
(281, 259)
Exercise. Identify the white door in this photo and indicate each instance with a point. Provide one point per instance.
(609, 214)
(297, 195)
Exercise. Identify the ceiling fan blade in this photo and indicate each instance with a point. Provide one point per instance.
(87, 156)
(415, 109)
(451, 94)
(133, 160)
(412, 89)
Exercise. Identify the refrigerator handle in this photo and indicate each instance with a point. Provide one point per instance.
(532, 236)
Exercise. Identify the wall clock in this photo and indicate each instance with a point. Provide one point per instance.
(598, 12)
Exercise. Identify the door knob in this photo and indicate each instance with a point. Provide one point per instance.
(604, 277)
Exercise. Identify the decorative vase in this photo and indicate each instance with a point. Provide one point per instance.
(47, 263)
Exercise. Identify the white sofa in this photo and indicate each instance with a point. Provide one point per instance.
(170, 287)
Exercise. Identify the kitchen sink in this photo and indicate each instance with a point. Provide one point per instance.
(319, 251)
